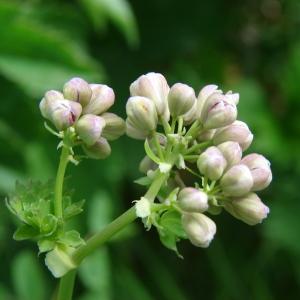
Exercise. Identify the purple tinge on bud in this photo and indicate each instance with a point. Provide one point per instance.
(192, 200)
(48, 102)
(199, 228)
(155, 87)
(237, 181)
(78, 90)
(147, 164)
(260, 170)
(232, 97)
(141, 113)
(64, 113)
(217, 111)
(89, 128)
(100, 150)
(238, 132)
(103, 97)
(212, 163)
(134, 132)
(232, 152)
(114, 128)
(249, 209)
(181, 99)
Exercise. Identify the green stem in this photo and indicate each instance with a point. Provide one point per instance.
(156, 186)
(158, 146)
(64, 158)
(104, 235)
(66, 286)
(198, 147)
(180, 124)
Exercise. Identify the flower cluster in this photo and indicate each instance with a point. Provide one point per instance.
(80, 111)
(199, 135)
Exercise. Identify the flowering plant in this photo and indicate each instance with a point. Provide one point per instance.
(182, 134)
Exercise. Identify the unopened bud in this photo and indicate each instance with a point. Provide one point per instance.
(100, 150)
(181, 99)
(199, 228)
(65, 113)
(206, 135)
(238, 132)
(260, 170)
(249, 209)
(89, 128)
(192, 200)
(134, 132)
(78, 90)
(237, 181)
(147, 164)
(142, 113)
(155, 87)
(47, 103)
(212, 163)
(103, 97)
(232, 152)
(114, 128)
(232, 97)
(190, 116)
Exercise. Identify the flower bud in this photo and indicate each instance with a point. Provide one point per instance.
(65, 113)
(155, 87)
(249, 209)
(260, 170)
(212, 163)
(232, 98)
(89, 128)
(114, 128)
(217, 111)
(238, 132)
(237, 181)
(181, 99)
(190, 116)
(77, 90)
(100, 150)
(206, 135)
(192, 200)
(232, 152)
(48, 102)
(146, 165)
(134, 132)
(142, 113)
(103, 97)
(199, 228)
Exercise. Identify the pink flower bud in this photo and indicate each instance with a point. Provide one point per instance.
(181, 99)
(114, 128)
(134, 132)
(249, 209)
(89, 128)
(233, 98)
(212, 163)
(103, 97)
(199, 228)
(48, 102)
(260, 170)
(237, 181)
(155, 87)
(232, 152)
(217, 111)
(192, 200)
(78, 90)
(238, 132)
(100, 150)
(206, 135)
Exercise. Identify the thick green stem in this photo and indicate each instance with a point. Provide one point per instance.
(66, 286)
(64, 158)
(155, 186)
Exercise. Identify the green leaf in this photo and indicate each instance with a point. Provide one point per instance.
(46, 245)
(169, 240)
(144, 181)
(48, 224)
(171, 221)
(73, 209)
(150, 153)
(25, 232)
(72, 238)
(27, 277)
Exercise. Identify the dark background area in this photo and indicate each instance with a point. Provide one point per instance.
(251, 47)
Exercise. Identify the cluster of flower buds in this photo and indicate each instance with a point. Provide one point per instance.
(82, 109)
(201, 135)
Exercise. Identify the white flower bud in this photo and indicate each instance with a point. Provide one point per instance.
(103, 97)
(181, 99)
(155, 87)
(199, 228)
(232, 152)
(48, 102)
(206, 135)
(78, 90)
(233, 98)
(212, 163)
(260, 170)
(192, 200)
(237, 181)
(114, 128)
(217, 111)
(100, 150)
(190, 116)
(142, 113)
(89, 128)
(134, 132)
(249, 209)
(238, 132)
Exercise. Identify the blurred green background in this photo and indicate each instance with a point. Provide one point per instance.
(251, 47)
